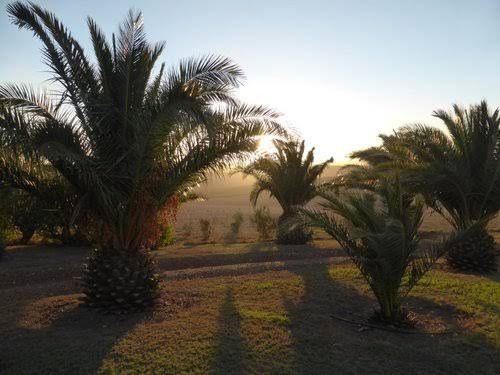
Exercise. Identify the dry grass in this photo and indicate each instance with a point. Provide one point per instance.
(229, 195)
(268, 322)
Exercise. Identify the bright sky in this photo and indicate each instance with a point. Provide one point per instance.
(340, 71)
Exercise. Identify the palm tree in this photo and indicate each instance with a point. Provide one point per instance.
(378, 229)
(457, 171)
(291, 179)
(128, 137)
(40, 198)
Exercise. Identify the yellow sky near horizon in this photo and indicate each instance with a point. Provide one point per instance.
(335, 120)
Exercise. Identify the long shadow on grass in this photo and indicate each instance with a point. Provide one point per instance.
(60, 336)
(252, 253)
(320, 341)
(323, 345)
(230, 345)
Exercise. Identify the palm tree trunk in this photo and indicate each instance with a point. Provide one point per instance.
(120, 280)
(290, 232)
(475, 253)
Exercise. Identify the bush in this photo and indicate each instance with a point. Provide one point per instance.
(186, 231)
(168, 236)
(28, 215)
(205, 229)
(235, 226)
(379, 231)
(264, 222)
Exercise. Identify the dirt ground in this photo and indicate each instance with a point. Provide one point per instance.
(244, 308)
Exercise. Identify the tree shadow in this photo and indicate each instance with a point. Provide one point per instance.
(253, 253)
(325, 345)
(59, 335)
(230, 345)
(317, 337)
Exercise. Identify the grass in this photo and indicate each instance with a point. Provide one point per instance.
(269, 322)
(196, 255)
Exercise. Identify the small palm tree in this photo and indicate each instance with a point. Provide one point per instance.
(378, 229)
(291, 179)
(126, 138)
(457, 171)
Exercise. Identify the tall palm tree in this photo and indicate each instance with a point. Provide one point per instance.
(378, 228)
(127, 137)
(457, 171)
(291, 179)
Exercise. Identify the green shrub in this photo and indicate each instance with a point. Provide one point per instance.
(168, 236)
(264, 222)
(205, 229)
(235, 226)
(379, 231)
(186, 231)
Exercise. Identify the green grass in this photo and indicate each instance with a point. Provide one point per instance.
(271, 322)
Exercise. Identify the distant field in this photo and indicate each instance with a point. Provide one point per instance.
(231, 194)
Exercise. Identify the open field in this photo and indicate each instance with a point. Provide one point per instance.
(231, 194)
(284, 320)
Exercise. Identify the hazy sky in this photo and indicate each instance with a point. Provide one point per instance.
(341, 71)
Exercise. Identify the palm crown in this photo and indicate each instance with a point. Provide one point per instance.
(290, 176)
(286, 175)
(125, 138)
(457, 171)
(378, 229)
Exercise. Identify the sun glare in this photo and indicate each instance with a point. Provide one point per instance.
(266, 144)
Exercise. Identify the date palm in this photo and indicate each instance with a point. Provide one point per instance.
(289, 176)
(457, 171)
(128, 137)
(378, 228)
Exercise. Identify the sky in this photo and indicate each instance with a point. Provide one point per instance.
(340, 72)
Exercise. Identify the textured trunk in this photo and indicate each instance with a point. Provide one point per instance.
(390, 305)
(120, 280)
(291, 233)
(475, 253)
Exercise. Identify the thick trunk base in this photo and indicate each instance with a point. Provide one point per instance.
(398, 317)
(290, 233)
(474, 254)
(118, 281)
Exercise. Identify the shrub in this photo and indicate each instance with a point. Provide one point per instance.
(168, 236)
(379, 231)
(205, 229)
(290, 176)
(186, 231)
(264, 222)
(457, 170)
(235, 226)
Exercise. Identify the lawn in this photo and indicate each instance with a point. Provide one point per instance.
(273, 321)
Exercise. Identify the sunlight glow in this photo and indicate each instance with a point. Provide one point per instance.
(266, 144)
